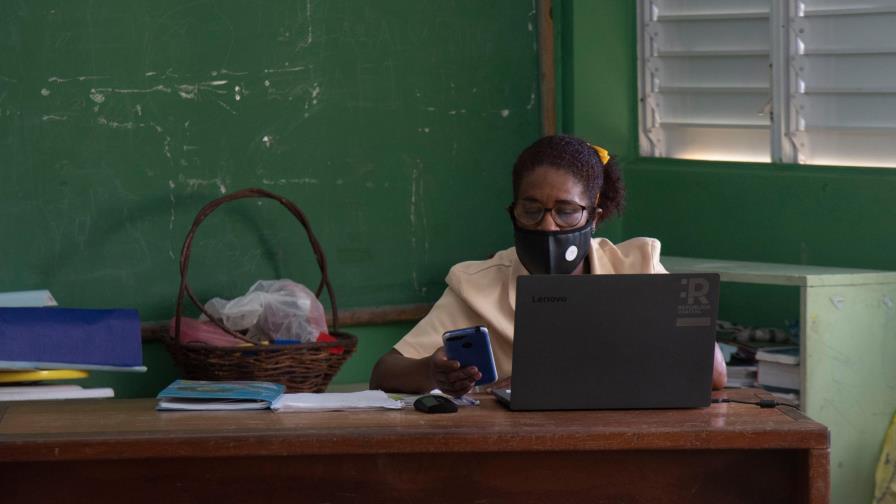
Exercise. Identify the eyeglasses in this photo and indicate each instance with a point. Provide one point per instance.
(565, 215)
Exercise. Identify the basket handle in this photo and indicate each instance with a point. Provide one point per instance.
(188, 244)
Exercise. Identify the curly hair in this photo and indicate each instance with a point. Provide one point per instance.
(576, 157)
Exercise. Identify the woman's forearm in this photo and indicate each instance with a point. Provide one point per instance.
(396, 373)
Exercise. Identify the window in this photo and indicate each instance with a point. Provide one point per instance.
(802, 81)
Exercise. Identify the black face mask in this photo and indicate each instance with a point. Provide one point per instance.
(552, 252)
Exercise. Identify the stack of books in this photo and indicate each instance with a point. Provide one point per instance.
(779, 371)
(193, 395)
(41, 342)
(742, 376)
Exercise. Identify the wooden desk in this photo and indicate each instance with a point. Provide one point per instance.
(124, 451)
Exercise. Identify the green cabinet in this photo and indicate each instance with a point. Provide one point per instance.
(847, 356)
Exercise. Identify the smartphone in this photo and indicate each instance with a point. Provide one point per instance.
(471, 347)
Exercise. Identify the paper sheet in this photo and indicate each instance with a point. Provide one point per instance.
(332, 401)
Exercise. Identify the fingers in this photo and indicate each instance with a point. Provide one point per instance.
(503, 383)
(457, 389)
(441, 362)
(467, 373)
(449, 377)
(461, 379)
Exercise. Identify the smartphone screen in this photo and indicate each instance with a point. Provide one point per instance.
(471, 347)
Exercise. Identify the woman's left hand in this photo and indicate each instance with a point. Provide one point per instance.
(719, 370)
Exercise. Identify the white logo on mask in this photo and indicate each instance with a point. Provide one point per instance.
(571, 253)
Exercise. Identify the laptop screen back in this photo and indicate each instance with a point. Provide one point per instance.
(614, 341)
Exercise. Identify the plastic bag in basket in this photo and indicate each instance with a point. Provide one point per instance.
(281, 310)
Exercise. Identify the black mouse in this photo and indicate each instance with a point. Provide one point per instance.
(435, 404)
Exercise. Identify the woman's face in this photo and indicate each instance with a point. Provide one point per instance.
(552, 188)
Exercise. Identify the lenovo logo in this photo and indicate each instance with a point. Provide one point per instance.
(548, 299)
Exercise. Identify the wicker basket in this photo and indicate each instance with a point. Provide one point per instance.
(304, 367)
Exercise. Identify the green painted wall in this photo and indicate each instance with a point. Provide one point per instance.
(817, 215)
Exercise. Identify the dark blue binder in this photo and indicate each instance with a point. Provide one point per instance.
(68, 335)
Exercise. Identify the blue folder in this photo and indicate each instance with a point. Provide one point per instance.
(68, 335)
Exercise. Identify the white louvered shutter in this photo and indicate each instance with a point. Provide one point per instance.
(843, 82)
(705, 79)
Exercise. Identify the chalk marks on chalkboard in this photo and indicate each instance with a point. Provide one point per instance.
(81, 78)
(225, 71)
(226, 107)
(419, 226)
(284, 181)
(281, 70)
(144, 103)
(186, 91)
(195, 183)
(307, 42)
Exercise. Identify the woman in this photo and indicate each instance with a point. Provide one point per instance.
(563, 188)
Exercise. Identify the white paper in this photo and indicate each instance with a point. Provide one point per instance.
(43, 392)
(32, 298)
(331, 401)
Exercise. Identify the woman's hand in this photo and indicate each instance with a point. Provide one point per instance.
(503, 383)
(719, 370)
(448, 375)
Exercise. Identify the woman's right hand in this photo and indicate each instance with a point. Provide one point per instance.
(449, 377)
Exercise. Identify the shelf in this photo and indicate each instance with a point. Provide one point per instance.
(778, 274)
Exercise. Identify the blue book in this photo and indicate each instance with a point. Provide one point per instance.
(69, 336)
(219, 395)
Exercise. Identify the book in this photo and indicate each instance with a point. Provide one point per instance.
(44, 392)
(69, 336)
(775, 374)
(780, 354)
(740, 376)
(199, 395)
(30, 365)
(779, 367)
(31, 298)
(790, 395)
(35, 375)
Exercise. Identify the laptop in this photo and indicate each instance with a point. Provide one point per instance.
(613, 341)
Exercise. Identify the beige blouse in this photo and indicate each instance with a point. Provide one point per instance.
(484, 293)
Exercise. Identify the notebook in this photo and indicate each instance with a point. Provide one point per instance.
(613, 341)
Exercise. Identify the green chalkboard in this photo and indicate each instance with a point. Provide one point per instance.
(394, 125)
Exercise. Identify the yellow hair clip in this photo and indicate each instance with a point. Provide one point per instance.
(602, 154)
